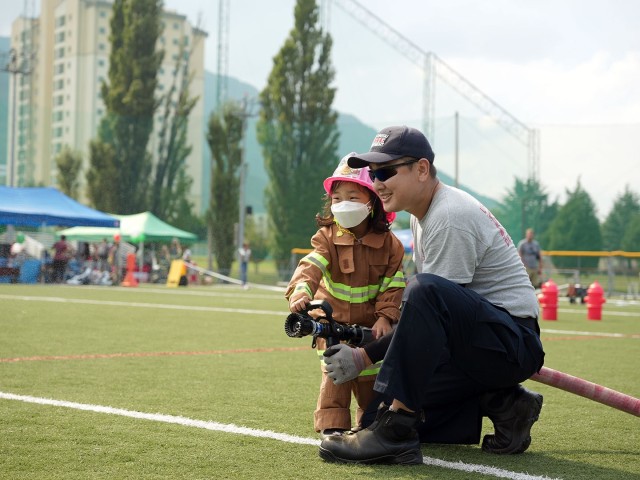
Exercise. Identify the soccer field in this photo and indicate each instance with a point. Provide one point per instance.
(202, 383)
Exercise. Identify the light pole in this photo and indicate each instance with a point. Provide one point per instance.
(247, 107)
(14, 68)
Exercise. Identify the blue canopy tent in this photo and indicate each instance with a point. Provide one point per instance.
(406, 237)
(47, 206)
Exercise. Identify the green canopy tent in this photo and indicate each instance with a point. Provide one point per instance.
(141, 227)
(137, 228)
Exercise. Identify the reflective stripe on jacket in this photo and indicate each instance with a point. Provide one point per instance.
(361, 279)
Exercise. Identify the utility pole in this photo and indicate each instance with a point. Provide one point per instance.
(247, 107)
(14, 67)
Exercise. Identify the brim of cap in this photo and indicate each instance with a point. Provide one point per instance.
(364, 159)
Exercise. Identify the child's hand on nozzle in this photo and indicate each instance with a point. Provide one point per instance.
(300, 304)
(381, 327)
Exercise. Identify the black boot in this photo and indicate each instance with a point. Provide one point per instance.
(513, 412)
(391, 438)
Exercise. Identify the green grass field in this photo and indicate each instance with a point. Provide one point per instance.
(199, 363)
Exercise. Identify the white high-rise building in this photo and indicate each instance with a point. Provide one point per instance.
(64, 54)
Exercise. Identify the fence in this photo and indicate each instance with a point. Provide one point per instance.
(617, 271)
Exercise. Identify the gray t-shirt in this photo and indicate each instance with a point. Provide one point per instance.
(460, 240)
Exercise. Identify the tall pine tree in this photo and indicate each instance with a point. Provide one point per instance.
(130, 106)
(625, 208)
(225, 138)
(69, 164)
(298, 133)
(575, 227)
(526, 205)
(171, 183)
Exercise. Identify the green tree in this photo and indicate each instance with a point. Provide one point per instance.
(298, 133)
(100, 176)
(171, 182)
(256, 233)
(575, 227)
(225, 138)
(625, 207)
(69, 163)
(526, 205)
(631, 240)
(130, 106)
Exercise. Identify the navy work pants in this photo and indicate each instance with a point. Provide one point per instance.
(451, 346)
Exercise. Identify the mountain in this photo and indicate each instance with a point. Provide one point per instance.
(354, 136)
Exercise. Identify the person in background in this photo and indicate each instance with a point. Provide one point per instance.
(102, 254)
(61, 254)
(115, 260)
(175, 250)
(531, 256)
(468, 333)
(356, 266)
(244, 254)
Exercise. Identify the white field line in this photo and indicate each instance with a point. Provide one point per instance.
(590, 334)
(252, 432)
(235, 310)
(605, 312)
(226, 292)
(143, 305)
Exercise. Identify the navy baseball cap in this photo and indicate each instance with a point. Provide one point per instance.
(392, 143)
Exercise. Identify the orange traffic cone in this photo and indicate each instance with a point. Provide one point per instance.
(129, 279)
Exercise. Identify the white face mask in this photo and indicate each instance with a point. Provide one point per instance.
(350, 214)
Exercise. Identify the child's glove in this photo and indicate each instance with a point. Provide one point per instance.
(344, 363)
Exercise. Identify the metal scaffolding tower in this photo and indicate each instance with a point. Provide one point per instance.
(19, 62)
(223, 52)
(433, 67)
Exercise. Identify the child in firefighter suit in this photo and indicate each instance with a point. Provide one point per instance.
(356, 266)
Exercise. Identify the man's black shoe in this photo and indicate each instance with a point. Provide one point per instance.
(513, 412)
(391, 439)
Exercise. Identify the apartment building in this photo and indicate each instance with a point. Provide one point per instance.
(65, 57)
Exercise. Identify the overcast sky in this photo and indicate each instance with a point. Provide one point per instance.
(570, 68)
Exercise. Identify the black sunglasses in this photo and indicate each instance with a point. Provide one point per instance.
(385, 173)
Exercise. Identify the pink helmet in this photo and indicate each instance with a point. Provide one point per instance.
(345, 173)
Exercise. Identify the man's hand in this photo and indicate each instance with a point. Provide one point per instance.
(344, 363)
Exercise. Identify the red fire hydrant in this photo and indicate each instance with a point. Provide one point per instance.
(549, 300)
(594, 300)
